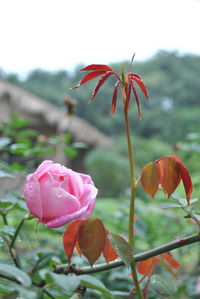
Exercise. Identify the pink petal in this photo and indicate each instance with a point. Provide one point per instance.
(76, 183)
(89, 194)
(33, 198)
(44, 166)
(86, 178)
(60, 221)
(56, 201)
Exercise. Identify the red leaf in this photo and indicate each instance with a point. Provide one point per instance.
(139, 81)
(109, 252)
(92, 239)
(100, 83)
(136, 99)
(169, 173)
(169, 258)
(70, 237)
(95, 67)
(114, 98)
(89, 77)
(146, 267)
(150, 178)
(185, 176)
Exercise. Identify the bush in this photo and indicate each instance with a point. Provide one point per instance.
(110, 172)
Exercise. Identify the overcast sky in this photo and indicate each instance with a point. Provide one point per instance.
(59, 34)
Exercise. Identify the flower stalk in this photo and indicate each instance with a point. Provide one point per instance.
(132, 203)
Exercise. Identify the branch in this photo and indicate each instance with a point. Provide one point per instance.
(65, 269)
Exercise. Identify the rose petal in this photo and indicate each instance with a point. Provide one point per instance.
(76, 183)
(44, 166)
(56, 201)
(33, 198)
(89, 194)
(60, 221)
(86, 178)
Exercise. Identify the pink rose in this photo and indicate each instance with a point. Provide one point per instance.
(57, 195)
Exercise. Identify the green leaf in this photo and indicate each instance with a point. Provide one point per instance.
(122, 248)
(15, 273)
(4, 141)
(28, 133)
(43, 260)
(6, 287)
(95, 284)
(80, 145)
(18, 122)
(71, 152)
(4, 174)
(7, 230)
(163, 286)
(168, 205)
(1, 242)
(67, 284)
(18, 148)
(34, 293)
(5, 204)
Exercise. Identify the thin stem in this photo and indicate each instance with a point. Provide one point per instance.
(132, 181)
(12, 244)
(5, 221)
(132, 204)
(138, 257)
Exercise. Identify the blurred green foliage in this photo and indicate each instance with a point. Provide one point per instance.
(173, 83)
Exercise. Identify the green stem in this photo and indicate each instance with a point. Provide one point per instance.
(132, 204)
(132, 181)
(12, 244)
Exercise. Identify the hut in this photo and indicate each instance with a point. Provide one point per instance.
(49, 119)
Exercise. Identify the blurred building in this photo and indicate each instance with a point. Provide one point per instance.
(48, 119)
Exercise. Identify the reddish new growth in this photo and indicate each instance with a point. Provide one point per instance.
(90, 238)
(127, 84)
(167, 172)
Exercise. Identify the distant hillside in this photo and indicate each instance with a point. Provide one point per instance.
(172, 81)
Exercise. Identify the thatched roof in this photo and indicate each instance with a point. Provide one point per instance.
(44, 114)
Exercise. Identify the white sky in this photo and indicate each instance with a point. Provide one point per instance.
(59, 34)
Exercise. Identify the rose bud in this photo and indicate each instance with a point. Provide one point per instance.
(57, 195)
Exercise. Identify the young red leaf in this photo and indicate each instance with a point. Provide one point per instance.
(78, 248)
(96, 67)
(169, 268)
(185, 176)
(140, 83)
(89, 77)
(100, 83)
(136, 99)
(114, 98)
(127, 97)
(169, 258)
(170, 174)
(109, 252)
(70, 237)
(146, 267)
(150, 178)
(92, 239)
